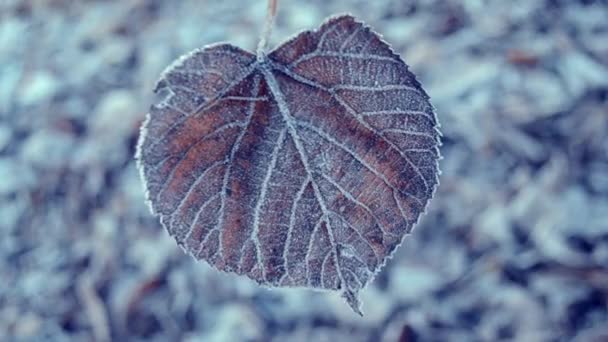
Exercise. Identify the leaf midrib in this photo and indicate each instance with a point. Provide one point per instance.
(293, 133)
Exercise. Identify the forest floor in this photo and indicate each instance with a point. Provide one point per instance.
(514, 245)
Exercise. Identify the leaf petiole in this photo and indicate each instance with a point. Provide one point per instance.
(265, 35)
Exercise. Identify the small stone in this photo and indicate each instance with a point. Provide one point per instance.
(14, 175)
(5, 136)
(40, 87)
(28, 325)
(116, 115)
(408, 282)
(236, 322)
(48, 148)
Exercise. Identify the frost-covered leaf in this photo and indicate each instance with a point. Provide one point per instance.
(301, 168)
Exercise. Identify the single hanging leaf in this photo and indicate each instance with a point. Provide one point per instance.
(302, 168)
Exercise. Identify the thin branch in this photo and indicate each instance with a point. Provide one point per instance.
(265, 36)
(94, 306)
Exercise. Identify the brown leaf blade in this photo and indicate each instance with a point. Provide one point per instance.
(303, 168)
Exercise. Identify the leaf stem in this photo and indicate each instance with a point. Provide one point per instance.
(265, 36)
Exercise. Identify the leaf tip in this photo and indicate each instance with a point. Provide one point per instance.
(352, 299)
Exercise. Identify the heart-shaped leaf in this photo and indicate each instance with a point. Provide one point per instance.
(301, 168)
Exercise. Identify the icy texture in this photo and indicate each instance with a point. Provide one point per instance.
(303, 168)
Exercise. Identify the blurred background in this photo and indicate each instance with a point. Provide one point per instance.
(514, 245)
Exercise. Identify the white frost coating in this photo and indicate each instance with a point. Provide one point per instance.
(324, 36)
(168, 105)
(378, 88)
(358, 115)
(347, 55)
(344, 220)
(201, 72)
(173, 87)
(291, 123)
(246, 98)
(407, 159)
(194, 186)
(266, 67)
(350, 38)
(198, 214)
(325, 259)
(431, 116)
(258, 207)
(398, 112)
(233, 151)
(292, 221)
(354, 155)
(219, 130)
(357, 202)
(411, 225)
(403, 131)
(208, 103)
(315, 229)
